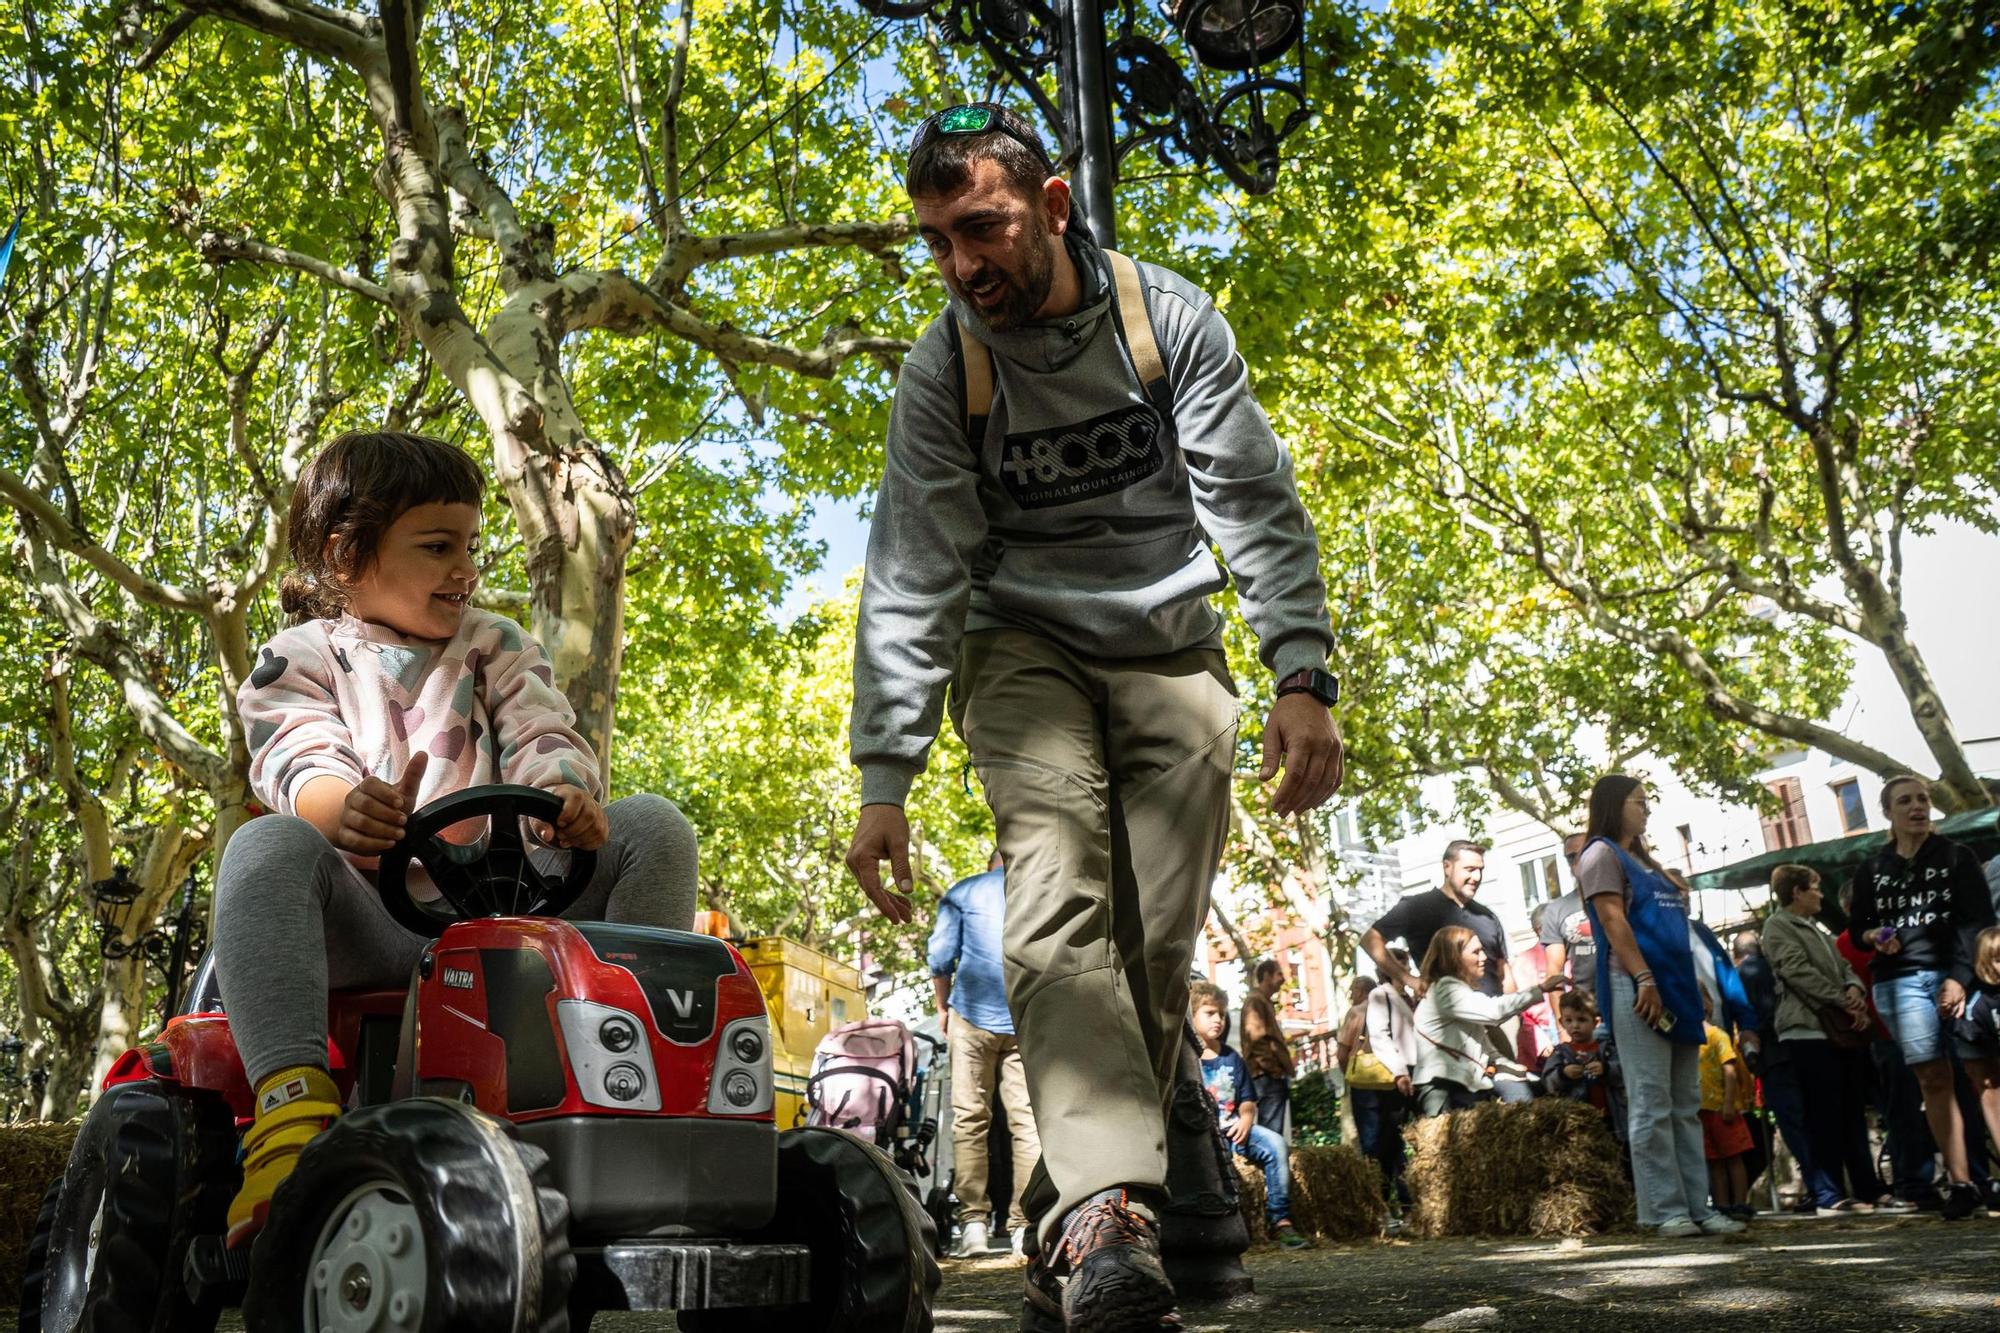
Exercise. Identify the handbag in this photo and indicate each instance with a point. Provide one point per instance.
(1366, 1071)
(1840, 1029)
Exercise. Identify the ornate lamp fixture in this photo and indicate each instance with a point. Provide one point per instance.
(1238, 133)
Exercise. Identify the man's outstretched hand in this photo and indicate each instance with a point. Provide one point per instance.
(1302, 733)
(883, 834)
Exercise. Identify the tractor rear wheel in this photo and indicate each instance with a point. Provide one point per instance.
(154, 1166)
(871, 1243)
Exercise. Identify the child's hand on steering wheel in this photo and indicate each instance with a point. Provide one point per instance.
(581, 824)
(374, 814)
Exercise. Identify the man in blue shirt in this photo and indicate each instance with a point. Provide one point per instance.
(972, 1005)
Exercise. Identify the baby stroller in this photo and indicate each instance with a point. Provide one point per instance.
(869, 1078)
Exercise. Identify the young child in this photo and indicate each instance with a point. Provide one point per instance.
(1227, 1078)
(389, 690)
(1581, 1067)
(1725, 1084)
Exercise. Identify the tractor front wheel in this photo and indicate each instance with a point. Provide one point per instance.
(415, 1216)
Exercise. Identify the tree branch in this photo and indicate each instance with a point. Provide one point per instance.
(218, 248)
(683, 257)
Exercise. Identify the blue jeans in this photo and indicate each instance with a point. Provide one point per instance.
(1663, 1096)
(1379, 1114)
(1266, 1149)
(1786, 1102)
(1835, 1083)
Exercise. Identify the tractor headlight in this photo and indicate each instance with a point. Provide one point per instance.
(609, 1056)
(623, 1081)
(741, 1081)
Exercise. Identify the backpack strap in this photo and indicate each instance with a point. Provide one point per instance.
(1137, 327)
(975, 358)
(975, 366)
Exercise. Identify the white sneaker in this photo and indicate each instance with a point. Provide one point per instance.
(1719, 1224)
(1678, 1229)
(1020, 1245)
(973, 1239)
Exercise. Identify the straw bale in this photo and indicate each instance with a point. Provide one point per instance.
(1336, 1193)
(1544, 1168)
(31, 1155)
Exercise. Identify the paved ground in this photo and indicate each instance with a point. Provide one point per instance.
(1869, 1276)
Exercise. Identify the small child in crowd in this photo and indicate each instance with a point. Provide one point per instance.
(1582, 1067)
(1725, 1085)
(1227, 1078)
(1979, 1025)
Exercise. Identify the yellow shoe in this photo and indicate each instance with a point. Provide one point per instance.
(293, 1106)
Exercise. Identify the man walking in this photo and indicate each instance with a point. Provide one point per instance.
(1067, 441)
(972, 1004)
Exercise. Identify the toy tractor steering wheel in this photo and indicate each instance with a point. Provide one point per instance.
(492, 876)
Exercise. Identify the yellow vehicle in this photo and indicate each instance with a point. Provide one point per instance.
(808, 994)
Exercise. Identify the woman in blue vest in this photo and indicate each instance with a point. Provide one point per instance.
(1646, 981)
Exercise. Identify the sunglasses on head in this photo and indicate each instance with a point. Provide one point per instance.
(975, 118)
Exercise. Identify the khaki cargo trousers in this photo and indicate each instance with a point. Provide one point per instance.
(1109, 785)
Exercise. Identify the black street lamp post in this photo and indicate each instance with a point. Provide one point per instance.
(1135, 77)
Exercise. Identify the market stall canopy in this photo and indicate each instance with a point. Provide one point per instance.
(1837, 858)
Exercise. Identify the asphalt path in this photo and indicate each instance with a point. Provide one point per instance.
(1868, 1275)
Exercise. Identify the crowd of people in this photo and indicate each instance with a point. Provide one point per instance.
(1679, 1042)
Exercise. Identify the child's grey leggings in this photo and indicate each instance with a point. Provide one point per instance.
(293, 918)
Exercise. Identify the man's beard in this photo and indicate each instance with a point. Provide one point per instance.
(1026, 291)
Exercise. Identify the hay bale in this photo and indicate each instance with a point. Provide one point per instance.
(1336, 1193)
(1544, 1168)
(31, 1155)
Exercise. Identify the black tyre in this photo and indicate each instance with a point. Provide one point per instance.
(939, 1208)
(37, 1259)
(872, 1270)
(422, 1216)
(154, 1166)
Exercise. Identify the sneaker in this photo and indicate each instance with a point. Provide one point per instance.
(1678, 1229)
(1289, 1237)
(293, 1107)
(1110, 1255)
(1742, 1212)
(1018, 1243)
(1991, 1188)
(1715, 1224)
(1963, 1200)
(1889, 1203)
(973, 1239)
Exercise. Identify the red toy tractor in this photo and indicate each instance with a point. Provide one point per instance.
(555, 1118)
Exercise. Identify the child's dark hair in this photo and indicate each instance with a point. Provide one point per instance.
(347, 498)
(1576, 1002)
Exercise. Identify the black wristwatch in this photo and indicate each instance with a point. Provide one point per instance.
(1321, 685)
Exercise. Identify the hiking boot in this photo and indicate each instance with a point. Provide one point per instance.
(1962, 1200)
(1289, 1237)
(973, 1240)
(1041, 1307)
(1110, 1256)
(293, 1106)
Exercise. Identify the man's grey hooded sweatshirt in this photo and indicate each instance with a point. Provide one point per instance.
(1080, 515)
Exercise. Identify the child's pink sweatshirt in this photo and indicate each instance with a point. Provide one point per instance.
(351, 699)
